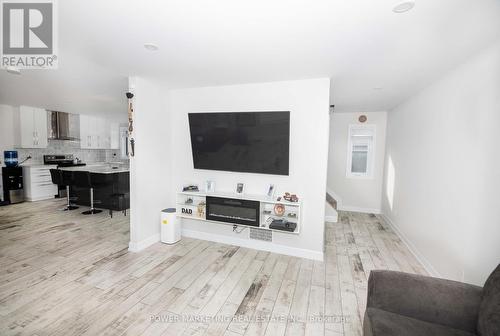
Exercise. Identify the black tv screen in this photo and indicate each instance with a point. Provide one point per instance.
(250, 142)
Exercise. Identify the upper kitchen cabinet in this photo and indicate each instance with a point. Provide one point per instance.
(31, 127)
(87, 131)
(101, 133)
(98, 133)
(114, 135)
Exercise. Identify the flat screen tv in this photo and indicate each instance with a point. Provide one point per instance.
(250, 142)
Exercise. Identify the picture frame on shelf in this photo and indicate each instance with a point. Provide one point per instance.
(270, 191)
(210, 186)
(190, 187)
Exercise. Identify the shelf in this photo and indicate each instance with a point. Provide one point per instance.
(191, 217)
(241, 225)
(290, 219)
(293, 204)
(190, 204)
(265, 204)
(251, 197)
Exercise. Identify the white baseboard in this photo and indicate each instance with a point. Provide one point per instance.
(331, 219)
(255, 244)
(358, 209)
(141, 245)
(39, 198)
(421, 259)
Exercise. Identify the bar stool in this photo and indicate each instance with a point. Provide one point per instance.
(58, 178)
(67, 180)
(120, 197)
(82, 179)
(55, 176)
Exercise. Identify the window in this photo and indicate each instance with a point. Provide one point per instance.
(360, 151)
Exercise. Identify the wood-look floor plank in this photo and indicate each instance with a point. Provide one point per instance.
(68, 274)
(300, 301)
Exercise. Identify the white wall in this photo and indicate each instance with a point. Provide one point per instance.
(150, 173)
(355, 194)
(308, 102)
(442, 176)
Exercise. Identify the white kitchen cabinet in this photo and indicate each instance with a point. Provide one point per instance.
(25, 128)
(94, 132)
(41, 127)
(114, 135)
(102, 131)
(85, 132)
(31, 127)
(38, 183)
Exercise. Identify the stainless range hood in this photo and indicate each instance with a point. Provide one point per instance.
(63, 126)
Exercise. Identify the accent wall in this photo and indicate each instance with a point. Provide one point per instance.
(164, 130)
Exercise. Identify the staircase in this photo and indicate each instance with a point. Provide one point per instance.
(331, 214)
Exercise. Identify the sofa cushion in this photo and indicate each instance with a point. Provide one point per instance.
(488, 323)
(445, 302)
(381, 323)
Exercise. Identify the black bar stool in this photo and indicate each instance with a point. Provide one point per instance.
(120, 196)
(58, 179)
(67, 180)
(82, 179)
(55, 176)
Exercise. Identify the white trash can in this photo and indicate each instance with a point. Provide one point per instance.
(170, 226)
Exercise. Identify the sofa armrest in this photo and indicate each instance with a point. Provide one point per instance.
(450, 303)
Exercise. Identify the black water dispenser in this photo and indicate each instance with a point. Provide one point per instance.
(12, 180)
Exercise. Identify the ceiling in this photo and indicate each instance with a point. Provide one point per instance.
(376, 58)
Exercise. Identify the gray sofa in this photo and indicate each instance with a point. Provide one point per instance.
(405, 304)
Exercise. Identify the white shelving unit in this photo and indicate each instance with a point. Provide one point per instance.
(192, 205)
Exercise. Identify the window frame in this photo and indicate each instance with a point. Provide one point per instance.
(370, 131)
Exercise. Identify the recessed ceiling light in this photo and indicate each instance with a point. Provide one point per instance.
(151, 46)
(403, 6)
(13, 70)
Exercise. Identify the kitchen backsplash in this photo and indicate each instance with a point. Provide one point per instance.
(70, 147)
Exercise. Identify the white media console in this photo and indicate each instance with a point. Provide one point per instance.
(193, 205)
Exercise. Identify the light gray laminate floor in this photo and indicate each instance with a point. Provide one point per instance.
(63, 273)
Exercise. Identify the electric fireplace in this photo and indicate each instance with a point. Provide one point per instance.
(233, 210)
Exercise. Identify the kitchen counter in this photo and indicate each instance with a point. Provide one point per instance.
(111, 186)
(98, 169)
(37, 165)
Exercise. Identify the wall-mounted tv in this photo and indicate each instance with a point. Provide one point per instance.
(250, 142)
